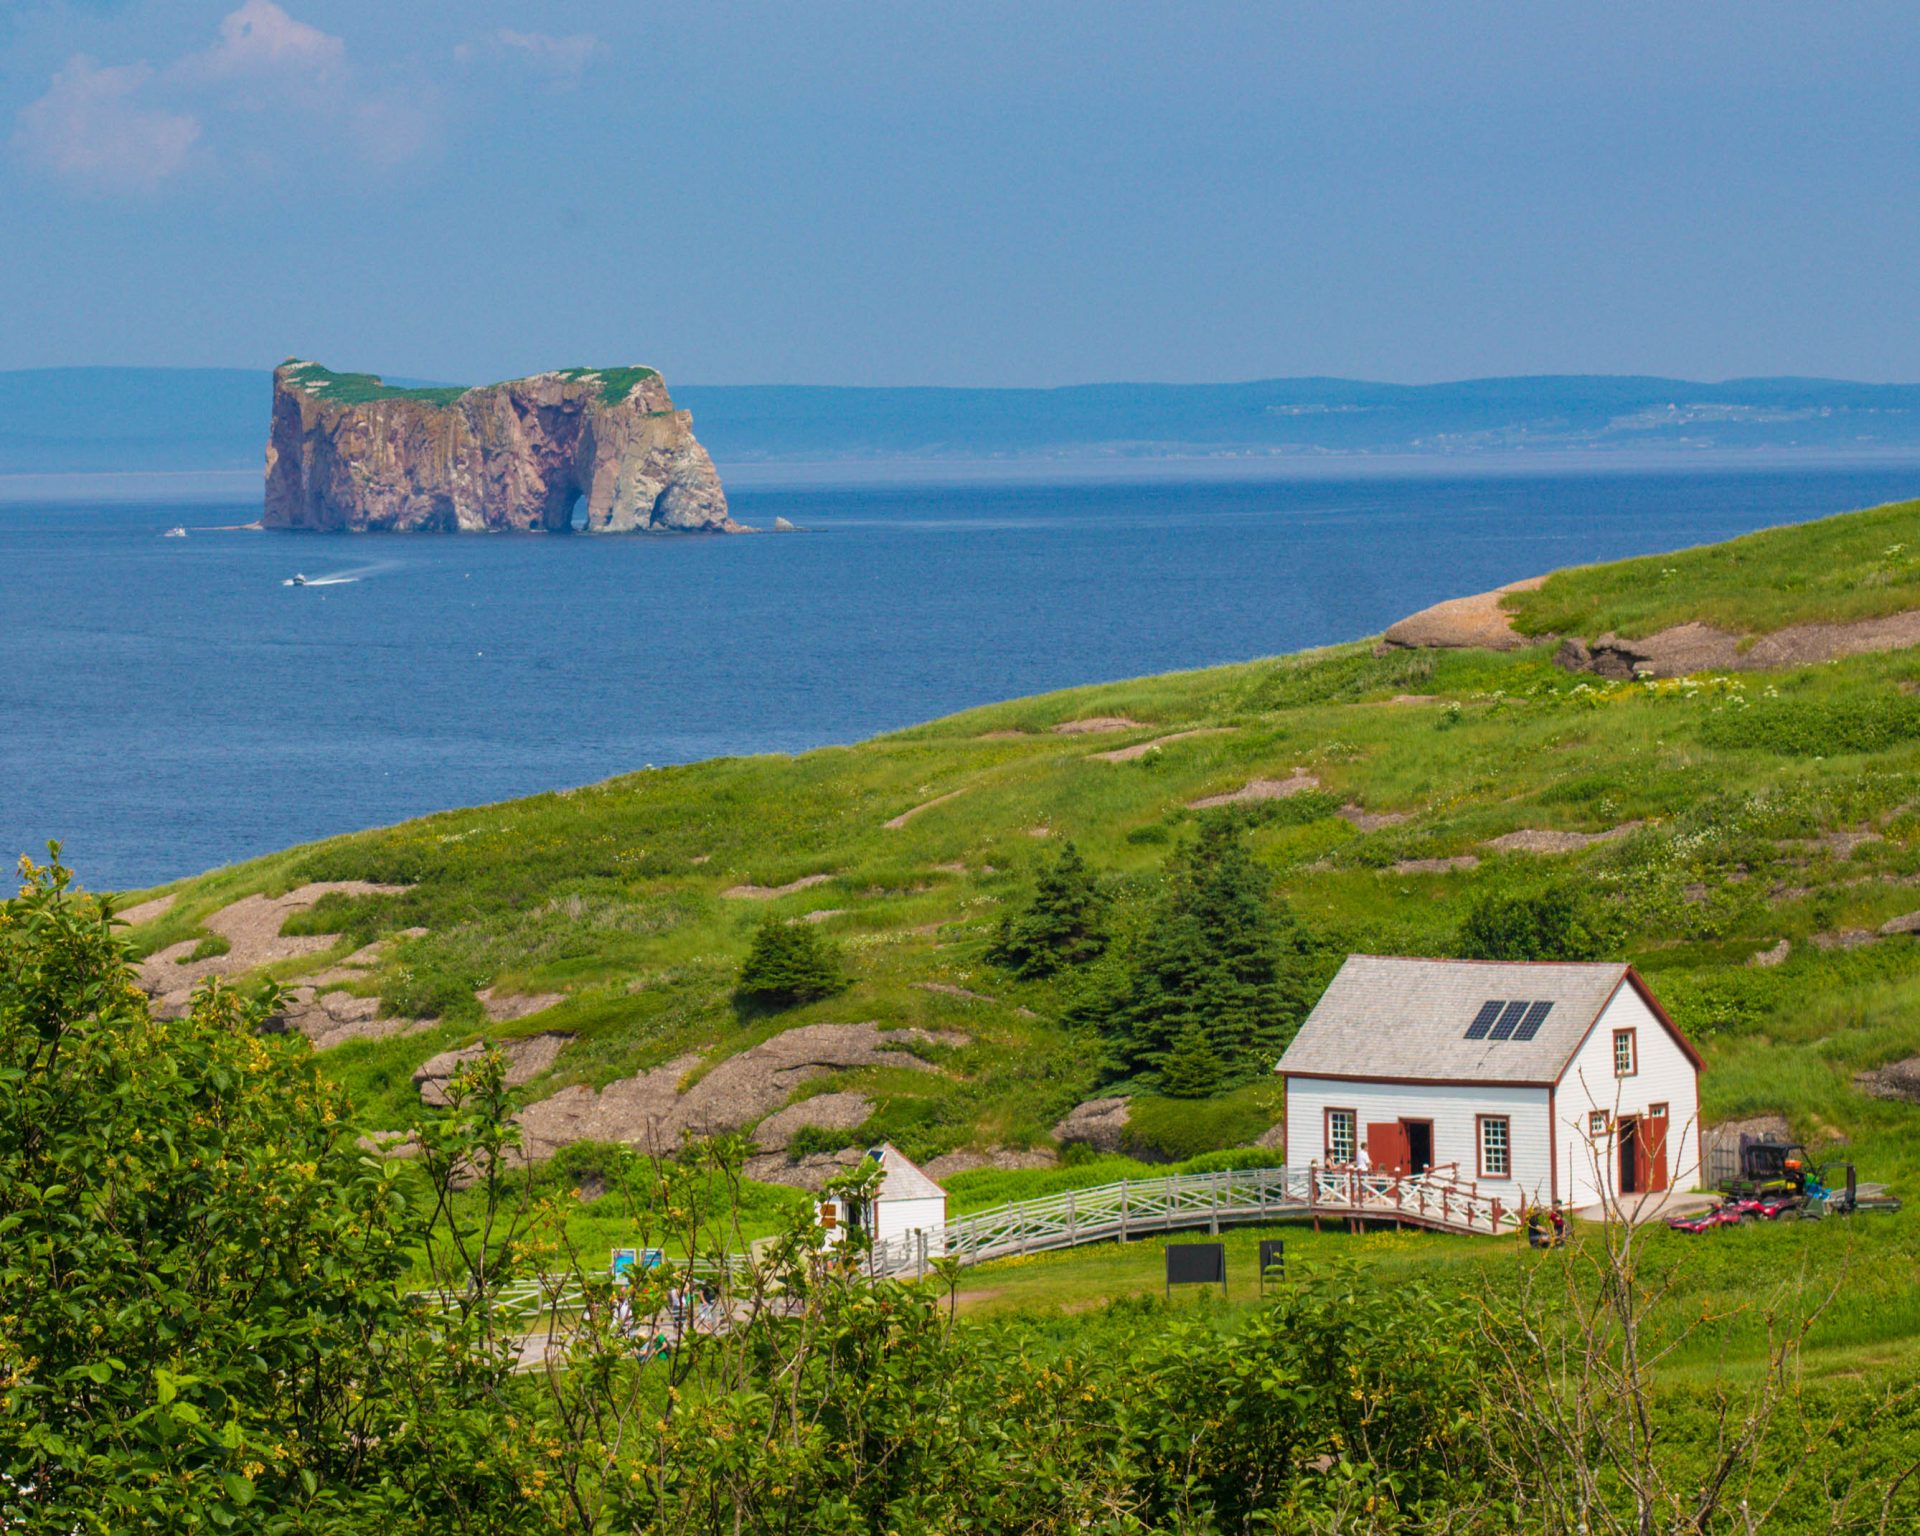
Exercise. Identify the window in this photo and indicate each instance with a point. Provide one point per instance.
(1340, 1134)
(1626, 1059)
(1597, 1123)
(1496, 1146)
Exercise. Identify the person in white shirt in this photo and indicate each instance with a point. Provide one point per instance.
(1362, 1161)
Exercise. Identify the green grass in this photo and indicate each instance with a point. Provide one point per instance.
(360, 388)
(612, 895)
(1859, 566)
(1864, 1268)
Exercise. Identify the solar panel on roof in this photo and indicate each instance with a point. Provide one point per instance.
(1530, 1025)
(1504, 1026)
(1483, 1020)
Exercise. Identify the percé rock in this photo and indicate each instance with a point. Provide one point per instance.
(347, 452)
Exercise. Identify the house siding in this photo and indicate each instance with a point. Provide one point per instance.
(895, 1218)
(1454, 1110)
(1665, 1075)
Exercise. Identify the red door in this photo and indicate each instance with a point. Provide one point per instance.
(1653, 1147)
(1387, 1148)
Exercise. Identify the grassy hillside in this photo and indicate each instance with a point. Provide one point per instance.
(1861, 566)
(1755, 810)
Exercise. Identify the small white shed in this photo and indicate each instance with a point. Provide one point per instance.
(906, 1201)
(1538, 1081)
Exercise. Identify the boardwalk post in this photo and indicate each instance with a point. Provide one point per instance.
(1213, 1206)
(1070, 1232)
(1123, 1210)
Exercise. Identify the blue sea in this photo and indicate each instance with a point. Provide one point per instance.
(167, 705)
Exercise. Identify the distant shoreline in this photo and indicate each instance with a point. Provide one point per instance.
(239, 487)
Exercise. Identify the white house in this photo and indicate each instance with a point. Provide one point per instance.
(906, 1201)
(1551, 1081)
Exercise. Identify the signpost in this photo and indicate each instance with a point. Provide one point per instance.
(1196, 1264)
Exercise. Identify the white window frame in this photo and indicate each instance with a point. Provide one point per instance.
(1335, 1158)
(1494, 1149)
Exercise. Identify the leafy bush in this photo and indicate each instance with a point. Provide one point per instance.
(1062, 925)
(1559, 923)
(790, 963)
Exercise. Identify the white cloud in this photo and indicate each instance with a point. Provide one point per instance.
(260, 38)
(133, 127)
(91, 128)
(561, 59)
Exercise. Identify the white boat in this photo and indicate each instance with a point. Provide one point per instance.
(295, 580)
(174, 533)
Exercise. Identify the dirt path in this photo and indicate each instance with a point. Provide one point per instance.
(1142, 748)
(897, 822)
(770, 892)
(1297, 783)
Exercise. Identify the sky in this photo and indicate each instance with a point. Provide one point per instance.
(1030, 193)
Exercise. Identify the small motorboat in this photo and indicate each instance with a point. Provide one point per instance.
(295, 580)
(174, 533)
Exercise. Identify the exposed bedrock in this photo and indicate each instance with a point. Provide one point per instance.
(347, 453)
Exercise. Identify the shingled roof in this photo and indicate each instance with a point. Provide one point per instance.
(1390, 1017)
(900, 1179)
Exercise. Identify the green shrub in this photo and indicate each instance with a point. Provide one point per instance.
(790, 963)
(1559, 923)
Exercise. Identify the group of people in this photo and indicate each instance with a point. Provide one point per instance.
(689, 1308)
(1546, 1225)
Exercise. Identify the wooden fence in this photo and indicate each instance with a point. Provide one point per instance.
(1439, 1199)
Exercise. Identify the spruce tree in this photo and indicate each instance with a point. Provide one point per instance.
(1063, 925)
(1221, 956)
(1191, 1069)
(789, 963)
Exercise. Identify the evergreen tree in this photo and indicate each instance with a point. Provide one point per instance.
(1063, 925)
(1191, 1069)
(789, 963)
(1220, 957)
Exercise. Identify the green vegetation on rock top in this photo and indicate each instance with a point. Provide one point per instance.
(615, 383)
(1861, 565)
(360, 388)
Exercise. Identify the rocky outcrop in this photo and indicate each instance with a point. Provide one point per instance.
(1464, 623)
(347, 452)
(1099, 1123)
(1689, 648)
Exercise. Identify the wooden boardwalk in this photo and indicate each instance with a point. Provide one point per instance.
(1439, 1200)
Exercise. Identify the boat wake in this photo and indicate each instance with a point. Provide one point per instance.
(339, 578)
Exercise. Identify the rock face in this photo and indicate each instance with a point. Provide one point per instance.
(348, 453)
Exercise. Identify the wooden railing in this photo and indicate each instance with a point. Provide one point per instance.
(1438, 1199)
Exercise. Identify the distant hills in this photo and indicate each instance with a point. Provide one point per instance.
(68, 420)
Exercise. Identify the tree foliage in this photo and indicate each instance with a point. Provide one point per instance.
(789, 963)
(1558, 923)
(1221, 961)
(1062, 925)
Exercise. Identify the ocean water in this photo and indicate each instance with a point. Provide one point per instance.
(167, 705)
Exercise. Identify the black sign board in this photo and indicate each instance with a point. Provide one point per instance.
(1273, 1259)
(1196, 1264)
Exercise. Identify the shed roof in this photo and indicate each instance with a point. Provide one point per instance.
(900, 1179)
(1386, 1016)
